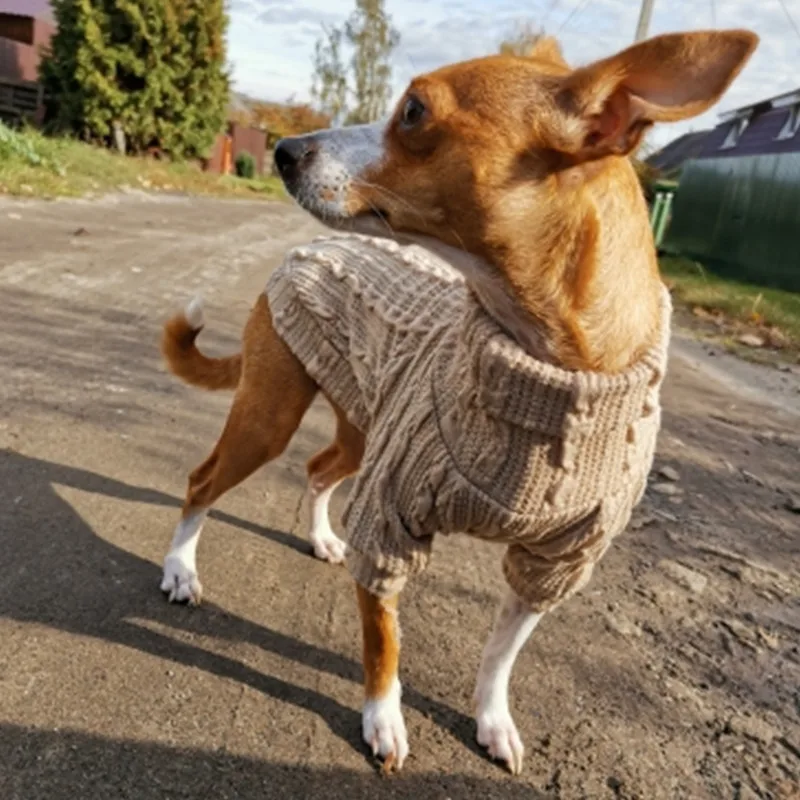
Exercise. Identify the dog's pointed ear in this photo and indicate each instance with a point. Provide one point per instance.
(547, 48)
(610, 104)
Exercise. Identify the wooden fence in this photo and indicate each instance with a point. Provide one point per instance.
(238, 139)
(21, 101)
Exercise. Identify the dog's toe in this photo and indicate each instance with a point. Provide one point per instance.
(498, 734)
(328, 546)
(384, 729)
(180, 582)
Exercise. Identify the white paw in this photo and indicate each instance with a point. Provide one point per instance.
(498, 734)
(327, 545)
(384, 729)
(180, 582)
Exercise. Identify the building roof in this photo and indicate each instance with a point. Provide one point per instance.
(778, 101)
(774, 130)
(38, 9)
(672, 157)
(770, 126)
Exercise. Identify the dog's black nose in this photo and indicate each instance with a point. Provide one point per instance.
(292, 154)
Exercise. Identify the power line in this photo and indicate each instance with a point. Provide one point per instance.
(790, 17)
(642, 27)
(576, 12)
(553, 6)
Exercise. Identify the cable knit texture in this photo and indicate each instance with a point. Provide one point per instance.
(465, 432)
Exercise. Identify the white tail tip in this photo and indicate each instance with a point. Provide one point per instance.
(194, 313)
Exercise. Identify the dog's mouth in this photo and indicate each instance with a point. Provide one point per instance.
(372, 220)
(378, 213)
(330, 207)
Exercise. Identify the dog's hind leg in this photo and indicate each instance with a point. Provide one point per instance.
(273, 394)
(496, 729)
(326, 470)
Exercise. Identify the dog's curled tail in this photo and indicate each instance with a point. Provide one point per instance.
(186, 361)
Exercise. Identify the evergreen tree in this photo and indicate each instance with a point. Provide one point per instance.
(154, 67)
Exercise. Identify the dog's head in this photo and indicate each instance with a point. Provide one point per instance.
(493, 137)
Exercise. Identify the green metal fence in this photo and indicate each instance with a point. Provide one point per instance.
(743, 216)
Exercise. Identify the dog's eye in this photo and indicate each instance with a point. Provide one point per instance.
(413, 111)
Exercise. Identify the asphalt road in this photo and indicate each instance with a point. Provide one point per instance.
(675, 675)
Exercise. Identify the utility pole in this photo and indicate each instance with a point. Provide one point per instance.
(644, 20)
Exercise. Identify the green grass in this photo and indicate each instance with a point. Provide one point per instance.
(38, 166)
(735, 306)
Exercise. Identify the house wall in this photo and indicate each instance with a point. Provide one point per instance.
(22, 40)
(742, 214)
(18, 62)
(43, 32)
(20, 29)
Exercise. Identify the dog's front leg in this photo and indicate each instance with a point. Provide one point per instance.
(383, 727)
(496, 729)
(180, 582)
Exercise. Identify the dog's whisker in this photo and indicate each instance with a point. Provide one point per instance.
(392, 233)
(392, 196)
(407, 205)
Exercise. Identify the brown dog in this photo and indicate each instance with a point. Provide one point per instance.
(515, 171)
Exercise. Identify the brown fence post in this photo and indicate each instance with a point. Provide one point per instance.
(227, 155)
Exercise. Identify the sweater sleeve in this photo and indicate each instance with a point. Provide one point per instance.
(382, 552)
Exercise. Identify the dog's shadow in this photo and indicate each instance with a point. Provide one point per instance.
(57, 572)
(55, 764)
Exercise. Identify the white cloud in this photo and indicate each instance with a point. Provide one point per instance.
(271, 42)
(295, 14)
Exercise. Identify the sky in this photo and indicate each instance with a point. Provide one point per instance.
(271, 42)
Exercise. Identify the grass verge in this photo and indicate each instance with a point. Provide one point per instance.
(33, 165)
(734, 312)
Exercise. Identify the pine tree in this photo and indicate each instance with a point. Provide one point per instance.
(155, 67)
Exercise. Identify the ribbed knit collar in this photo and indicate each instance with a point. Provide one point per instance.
(513, 386)
(480, 361)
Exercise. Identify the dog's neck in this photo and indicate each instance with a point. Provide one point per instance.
(562, 285)
(530, 334)
(576, 282)
(495, 296)
(497, 299)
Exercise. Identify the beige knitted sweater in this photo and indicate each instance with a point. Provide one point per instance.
(465, 432)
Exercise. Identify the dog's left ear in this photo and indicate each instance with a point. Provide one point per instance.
(610, 104)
